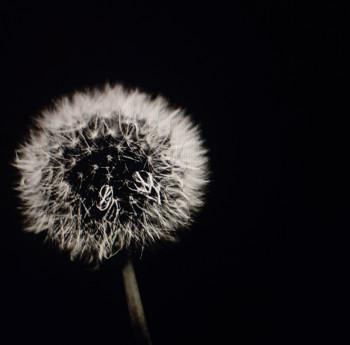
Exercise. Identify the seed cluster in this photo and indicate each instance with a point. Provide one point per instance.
(111, 173)
(111, 170)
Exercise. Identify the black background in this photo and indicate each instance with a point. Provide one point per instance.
(267, 259)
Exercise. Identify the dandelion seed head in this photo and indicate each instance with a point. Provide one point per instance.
(111, 169)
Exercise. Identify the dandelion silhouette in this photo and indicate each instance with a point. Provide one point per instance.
(108, 170)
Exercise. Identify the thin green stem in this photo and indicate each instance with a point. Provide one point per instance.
(134, 303)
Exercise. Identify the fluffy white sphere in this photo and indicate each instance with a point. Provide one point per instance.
(111, 169)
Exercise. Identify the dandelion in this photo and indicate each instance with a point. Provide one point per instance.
(111, 169)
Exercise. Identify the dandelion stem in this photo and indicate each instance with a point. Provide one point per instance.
(133, 300)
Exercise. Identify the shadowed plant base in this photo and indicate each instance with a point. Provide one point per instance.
(133, 300)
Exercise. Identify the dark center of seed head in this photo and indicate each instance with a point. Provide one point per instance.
(103, 177)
